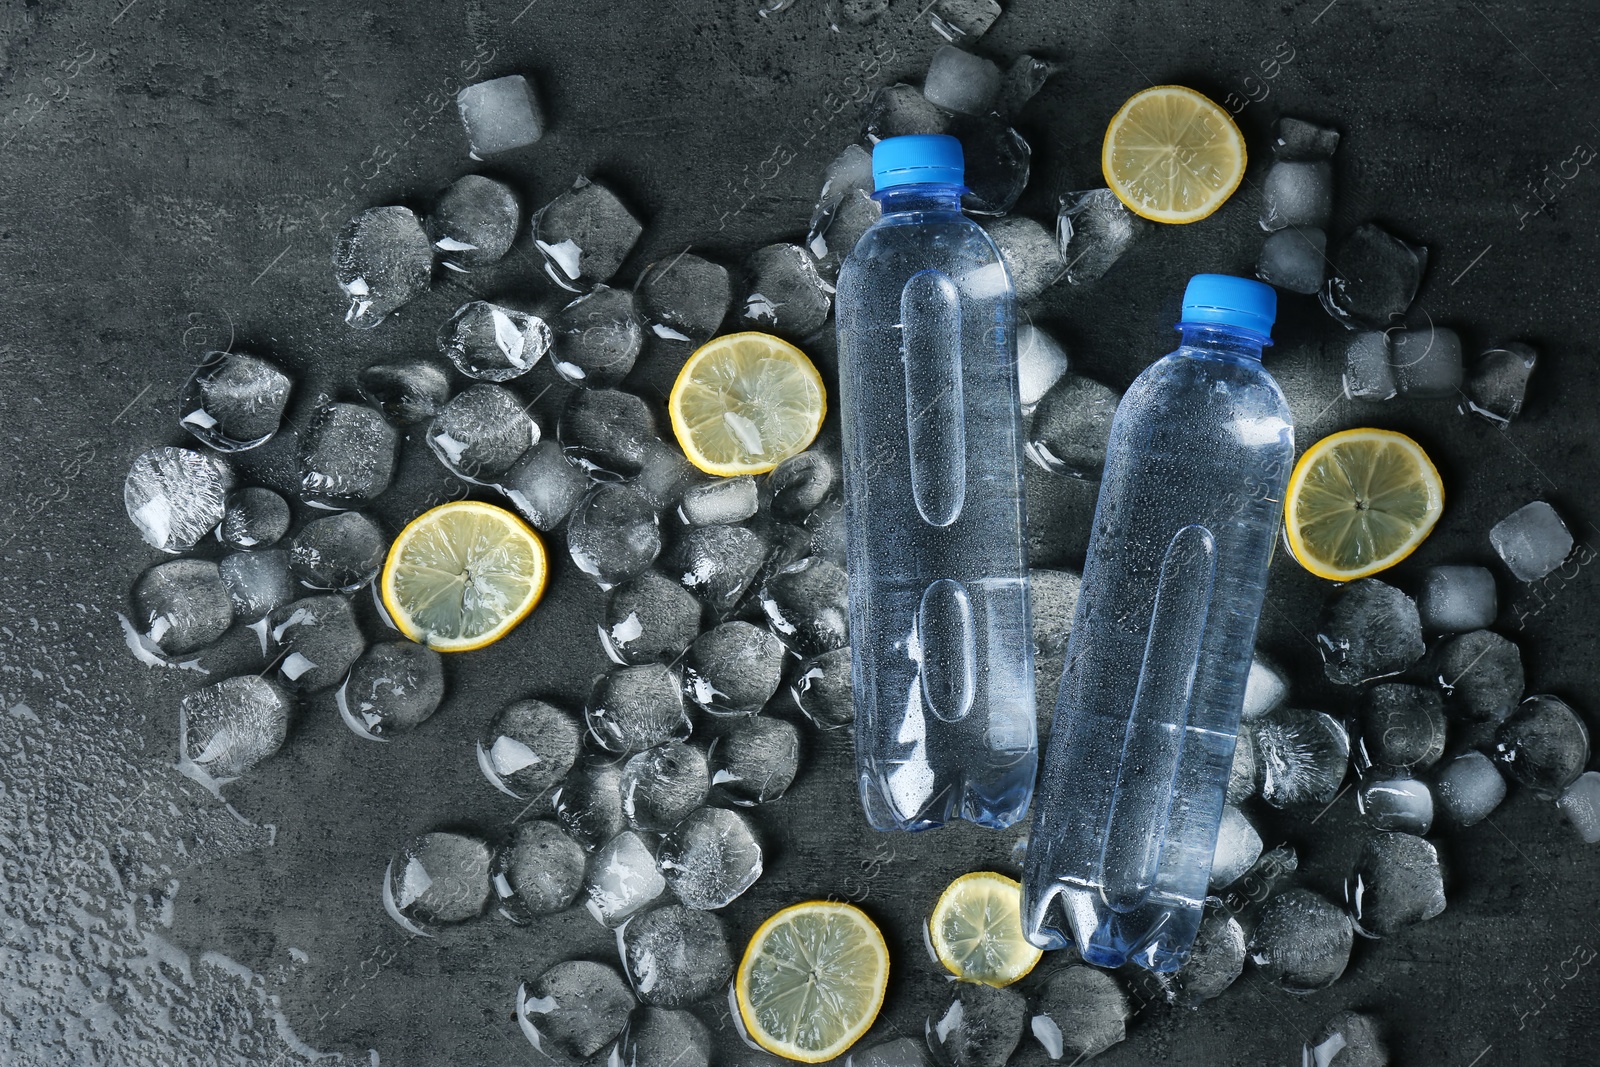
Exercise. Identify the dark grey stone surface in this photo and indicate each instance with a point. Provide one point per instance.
(174, 176)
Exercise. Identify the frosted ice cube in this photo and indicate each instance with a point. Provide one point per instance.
(175, 496)
(800, 484)
(1468, 788)
(1296, 140)
(613, 534)
(621, 878)
(961, 21)
(584, 235)
(255, 518)
(394, 686)
(257, 581)
(1031, 255)
(1482, 674)
(684, 297)
(1580, 803)
(1302, 942)
(438, 878)
(544, 487)
(1532, 541)
(182, 605)
(577, 1007)
(597, 337)
(474, 223)
(717, 563)
(676, 956)
(1215, 962)
(1368, 373)
(346, 456)
(1402, 727)
(898, 111)
(316, 640)
(998, 162)
(1396, 804)
(382, 261)
(1427, 362)
(493, 343)
(1294, 259)
(234, 401)
(734, 668)
(1081, 1012)
(1041, 361)
(1094, 230)
(1297, 195)
(1498, 381)
(341, 551)
(822, 690)
(662, 785)
(539, 872)
(1369, 630)
(981, 1027)
(756, 761)
(482, 433)
(711, 858)
(500, 115)
(659, 1036)
(528, 747)
(807, 604)
(406, 392)
(960, 81)
(1455, 599)
(633, 708)
(1265, 687)
(1396, 882)
(649, 618)
(1349, 1039)
(1071, 427)
(1244, 774)
(1543, 745)
(1375, 277)
(1303, 756)
(588, 804)
(1022, 80)
(1237, 849)
(784, 293)
(899, 1052)
(227, 728)
(607, 431)
(722, 501)
(665, 474)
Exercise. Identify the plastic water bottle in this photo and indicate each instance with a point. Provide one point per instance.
(1137, 765)
(943, 649)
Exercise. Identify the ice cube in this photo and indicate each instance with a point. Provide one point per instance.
(1396, 804)
(613, 534)
(1272, 871)
(662, 785)
(1041, 361)
(807, 603)
(1302, 942)
(827, 528)
(962, 21)
(800, 484)
(899, 1052)
(621, 878)
(1375, 277)
(1294, 259)
(1215, 962)
(1094, 230)
(175, 496)
(598, 337)
(538, 872)
(382, 260)
(649, 618)
(406, 392)
(717, 563)
(1237, 849)
(183, 605)
(822, 689)
(1482, 674)
(234, 401)
(1396, 882)
(1498, 381)
(474, 223)
(500, 114)
(665, 474)
(1032, 258)
(898, 111)
(1368, 373)
(482, 433)
(1081, 1012)
(1265, 687)
(684, 297)
(528, 747)
(676, 956)
(1349, 1039)
(722, 501)
(544, 487)
(255, 517)
(981, 1027)
(784, 293)
(607, 431)
(1532, 541)
(1071, 427)
(257, 582)
(734, 668)
(577, 1007)
(316, 640)
(588, 804)
(1303, 756)
(438, 878)
(227, 728)
(584, 235)
(1298, 141)
(1370, 630)
(656, 1037)
(1457, 598)
(1022, 81)
(1244, 774)
(711, 858)
(844, 210)
(960, 81)
(756, 761)
(1297, 195)
(1543, 745)
(493, 343)
(342, 551)
(1402, 727)
(394, 686)
(1580, 803)
(346, 456)
(1469, 788)
(633, 708)
(1054, 599)
(1427, 362)
(998, 162)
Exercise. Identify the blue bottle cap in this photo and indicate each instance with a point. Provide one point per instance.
(917, 159)
(1228, 301)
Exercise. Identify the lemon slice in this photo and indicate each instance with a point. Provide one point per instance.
(462, 575)
(746, 402)
(812, 980)
(1359, 502)
(1172, 155)
(976, 930)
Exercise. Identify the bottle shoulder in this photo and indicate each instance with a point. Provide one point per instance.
(900, 245)
(1189, 381)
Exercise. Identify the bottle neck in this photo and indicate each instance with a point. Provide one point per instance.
(927, 196)
(1226, 342)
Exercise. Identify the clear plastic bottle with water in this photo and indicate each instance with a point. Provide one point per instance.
(1142, 742)
(943, 650)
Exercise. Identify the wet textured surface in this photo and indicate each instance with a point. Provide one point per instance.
(190, 179)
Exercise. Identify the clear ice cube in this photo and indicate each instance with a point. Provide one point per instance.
(1498, 382)
(1375, 277)
(900, 110)
(500, 115)
(1244, 774)
(1457, 598)
(998, 162)
(234, 401)
(607, 432)
(175, 496)
(1297, 195)
(711, 858)
(406, 392)
(734, 668)
(717, 563)
(1532, 541)
(756, 761)
(822, 689)
(395, 686)
(577, 1008)
(544, 487)
(382, 261)
(1266, 687)
(539, 872)
(1041, 361)
(799, 485)
(1071, 427)
(722, 501)
(1543, 745)
(1481, 673)
(588, 805)
(493, 343)
(852, 217)
(613, 534)
(346, 456)
(848, 175)
(634, 708)
(649, 618)
(1369, 630)
(1580, 803)
(807, 604)
(528, 747)
(598, 337)
(981, 1027)
(1215, 961)
(1349, 1039)
(1303, 756)
(1237, 849)
(1427, 362)
(1094, 230)
(316, 640)
(666, 474)
(227, 728)
(183, 605)
(482, 433)
(684, 297)
(1468, 788)
(662, 785)
(584, 235)
(438, 878)
(1297, 141)
(1368, 373)
(1402, 727)
(1294, 259)
(676, 956)
(784, 292)
(961, 21)
(257, 582)
(474, 223)
(1396, 804)
(342, 551)
(1032, 258)
(255, 518)
(1396, 882)
(1081, 1012)
(1023, 79)
(957, 80)
(1302, 941)
(622, 877)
